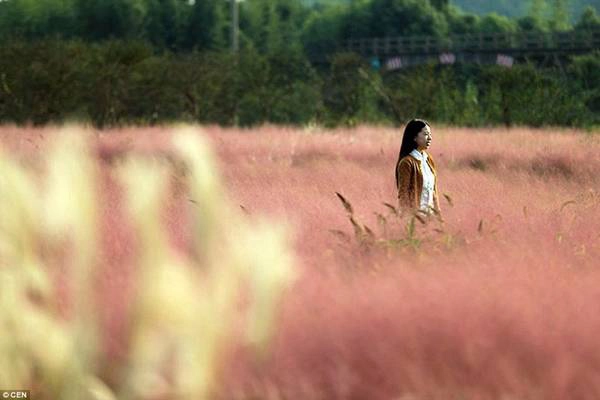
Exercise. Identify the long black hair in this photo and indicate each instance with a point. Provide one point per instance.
(412, 129)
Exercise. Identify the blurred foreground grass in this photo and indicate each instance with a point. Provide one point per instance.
(184, 307)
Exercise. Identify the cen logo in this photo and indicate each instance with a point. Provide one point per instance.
(15, 394)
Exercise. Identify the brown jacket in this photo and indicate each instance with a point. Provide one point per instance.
(410, 183)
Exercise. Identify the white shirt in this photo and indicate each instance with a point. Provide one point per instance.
(426, 203)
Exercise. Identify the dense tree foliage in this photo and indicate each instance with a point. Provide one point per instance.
(520, 8)
(272, 25)
(118, 82)
(148, 61)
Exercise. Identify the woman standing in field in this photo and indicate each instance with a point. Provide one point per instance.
(416, 176)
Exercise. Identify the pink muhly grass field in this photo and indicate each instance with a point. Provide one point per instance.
(501, 303)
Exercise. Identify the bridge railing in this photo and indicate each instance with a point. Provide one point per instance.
(482, 42)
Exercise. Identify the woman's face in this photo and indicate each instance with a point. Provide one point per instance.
(423, 138)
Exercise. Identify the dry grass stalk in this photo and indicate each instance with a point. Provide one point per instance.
(183, 307)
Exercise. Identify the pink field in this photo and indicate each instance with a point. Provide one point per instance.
(502, 302)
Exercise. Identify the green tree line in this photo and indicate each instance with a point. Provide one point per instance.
(520, 8)
(267, 25)
(128, 82)
(149, 61)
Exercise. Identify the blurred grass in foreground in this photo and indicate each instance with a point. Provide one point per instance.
(184, 307)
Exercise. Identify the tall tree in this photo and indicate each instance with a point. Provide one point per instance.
(440, 4)
(538, 9)
(559, 20)
(103, 19)
(590, 20)
(273, 26)
(405, 17)
(36, 19)
(162, 24)
(206, 25)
